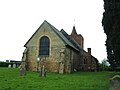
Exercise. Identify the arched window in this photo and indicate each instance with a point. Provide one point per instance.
(85, 60)
(44, 46)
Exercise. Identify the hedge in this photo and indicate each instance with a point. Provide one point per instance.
(5, 64)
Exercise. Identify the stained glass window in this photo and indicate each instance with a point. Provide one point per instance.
(44, 46)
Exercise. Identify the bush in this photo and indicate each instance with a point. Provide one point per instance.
(117, 69)
(103, 67)
(5, 64)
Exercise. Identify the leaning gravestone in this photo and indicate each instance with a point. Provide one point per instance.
(115, 83)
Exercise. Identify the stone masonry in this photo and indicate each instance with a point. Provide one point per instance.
(63, 57)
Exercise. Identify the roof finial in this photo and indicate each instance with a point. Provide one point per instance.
(74, 22)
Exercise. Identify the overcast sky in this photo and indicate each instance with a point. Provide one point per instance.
(19, 19)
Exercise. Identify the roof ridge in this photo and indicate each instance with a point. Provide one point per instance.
(62, 37)
(71, 39)
(59, 34)
(34, 33)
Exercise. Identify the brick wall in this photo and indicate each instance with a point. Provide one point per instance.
(77, 37)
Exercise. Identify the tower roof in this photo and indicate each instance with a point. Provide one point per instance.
(73, 31)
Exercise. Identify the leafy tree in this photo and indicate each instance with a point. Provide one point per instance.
(104, 66)
(111, 25)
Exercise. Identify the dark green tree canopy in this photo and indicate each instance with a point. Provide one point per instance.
(111, 25)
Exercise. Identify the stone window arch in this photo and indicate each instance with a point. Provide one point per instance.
(44, 46)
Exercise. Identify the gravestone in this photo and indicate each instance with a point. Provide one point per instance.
(43, 71)
(22, 70)
(61, 68)
(9, 66)
(115, 83)
(14, 65)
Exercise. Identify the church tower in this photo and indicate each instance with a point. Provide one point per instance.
(77, 37)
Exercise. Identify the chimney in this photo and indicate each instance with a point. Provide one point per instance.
(89, 59)
(89, 51)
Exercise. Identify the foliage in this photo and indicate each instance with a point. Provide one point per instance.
(104, 66)
(5, 64)
(105, 62)
(10, 79)
(111, 25)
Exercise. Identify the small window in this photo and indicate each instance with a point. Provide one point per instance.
(85, 60)
(44, 46)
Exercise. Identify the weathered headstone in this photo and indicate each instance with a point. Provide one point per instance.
(43, 71)
(9, 66)
(61, 68)
(115, 83)
(22, 70)
(14, 65)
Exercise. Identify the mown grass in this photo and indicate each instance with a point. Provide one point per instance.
(10, 79)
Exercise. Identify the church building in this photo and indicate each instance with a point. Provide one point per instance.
(57, 51)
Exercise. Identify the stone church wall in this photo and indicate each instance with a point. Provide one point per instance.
(31, 58)
(72, 60)
(61, 58)
(56, 46)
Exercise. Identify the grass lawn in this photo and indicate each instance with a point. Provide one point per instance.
(10, 79)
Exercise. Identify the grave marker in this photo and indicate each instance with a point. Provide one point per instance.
(115, 83)
(9, 66)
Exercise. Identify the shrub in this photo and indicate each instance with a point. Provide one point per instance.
(5, 64)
